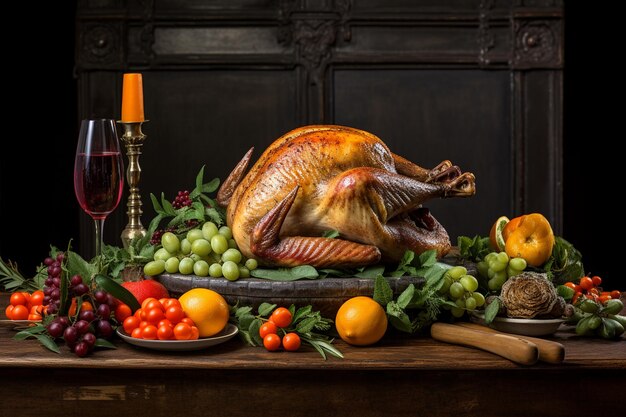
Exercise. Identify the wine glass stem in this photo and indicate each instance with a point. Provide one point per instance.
(99, 227)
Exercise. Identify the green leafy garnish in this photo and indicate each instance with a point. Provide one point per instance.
(565, 263)
(491, 311)
(286, 274)
(415, 308)
(474, 249)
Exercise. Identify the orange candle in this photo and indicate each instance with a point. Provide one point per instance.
(132, 98)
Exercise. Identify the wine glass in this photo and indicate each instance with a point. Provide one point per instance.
(98, 172)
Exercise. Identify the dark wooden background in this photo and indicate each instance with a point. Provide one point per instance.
(415, 76)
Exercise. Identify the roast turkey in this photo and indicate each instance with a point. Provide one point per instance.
(317, 179)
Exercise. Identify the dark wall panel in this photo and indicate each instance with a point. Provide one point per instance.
(431, 115)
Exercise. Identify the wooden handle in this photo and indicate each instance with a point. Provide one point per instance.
(549, 351)
(510, 347)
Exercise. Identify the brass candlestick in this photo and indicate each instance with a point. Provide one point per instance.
(133, 139)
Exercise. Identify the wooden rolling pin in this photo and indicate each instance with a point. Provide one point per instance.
(511, 347)
(549, 351)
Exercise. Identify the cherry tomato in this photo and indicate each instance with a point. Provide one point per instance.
(165, 332)
(34, 317)
(137, 333)
(586, 283)
(291, 342)
(86, 306)
(604, 298)
(188, 321)
(9, 311)
(38, 310)
(615, 294)
(130, 324)
(571, 285)
(122, 311)
(145, 302)
(153, 305)
(182, 331)
(20, 312)
(576, 296)
(165, 322)
(36, 298)
(281, 317)
(595, 291)
(174, 313)
(597, 281)
(271, 342)
(18, 299)
(195, 333)
(268, 327)
(154, 315)
(149, 332)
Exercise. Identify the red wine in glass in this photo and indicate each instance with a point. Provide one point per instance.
(98, 172)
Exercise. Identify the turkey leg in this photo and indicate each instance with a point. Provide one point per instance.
(230, 184)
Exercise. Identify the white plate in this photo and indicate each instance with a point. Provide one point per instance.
(182, 345)
(526, 327)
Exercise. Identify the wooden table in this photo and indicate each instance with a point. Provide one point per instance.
(400, 376)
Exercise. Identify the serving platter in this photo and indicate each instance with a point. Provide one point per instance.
(525, 327)
(181, 345)
(325, 294)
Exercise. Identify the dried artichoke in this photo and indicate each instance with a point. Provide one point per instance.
(531, 295)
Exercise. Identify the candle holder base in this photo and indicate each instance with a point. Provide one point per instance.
(133, 139)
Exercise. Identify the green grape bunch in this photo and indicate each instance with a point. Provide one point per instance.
(204, 251)
(498, 267)
(462, 289)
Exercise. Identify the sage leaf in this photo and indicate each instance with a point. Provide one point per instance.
(242, 311)
(265, 309)
(211, 186)
(491, 311)
(428, 258)
(398, 318)
(306, 325)
(103, 343)
(155, 203)
(301, 312)
(253, 331)
(407, 295)
(371, 272)
(286, 274)
(48, 343)
(383, 293)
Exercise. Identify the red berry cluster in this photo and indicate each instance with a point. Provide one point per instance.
(182, 200)
(590, 288)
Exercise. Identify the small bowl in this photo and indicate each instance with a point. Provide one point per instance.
(526, 327)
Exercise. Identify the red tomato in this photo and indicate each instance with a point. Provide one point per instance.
(149, 332)
(165, 332)
(122, 311)
(36, 298)
(20, 312)
(576, 296)
(9, 311)
(597, 281)
(267, 328)
(165, 322)
(271, 342)
(137, 333)
(281, 317)
(18, 299)
(174, 313)
(595, 291)
(182, 331)
(195, 333)
(604, 298)
(131, 323)
(154, 315)
(615, 294)
(291, 342)
(586, 283)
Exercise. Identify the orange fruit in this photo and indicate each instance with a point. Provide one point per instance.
(510, 226)
(495, 234)
(147, 288)
(208, 310)
(361, 321)
(533, 240)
